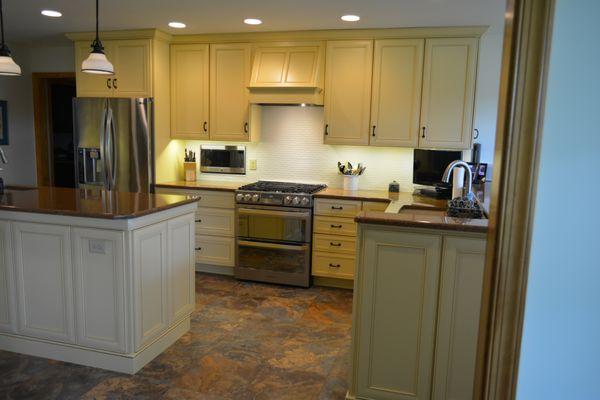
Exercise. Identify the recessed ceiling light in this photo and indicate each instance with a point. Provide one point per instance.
(350, 18)
(252, 21)
(51, 13)
(178, 25)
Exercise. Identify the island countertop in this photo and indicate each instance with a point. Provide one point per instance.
(90, 203)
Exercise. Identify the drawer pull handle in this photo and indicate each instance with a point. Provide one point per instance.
(335, 244)
(336, 226)
(198, 248)
(337, 208)
(334, 265)
(198, 220)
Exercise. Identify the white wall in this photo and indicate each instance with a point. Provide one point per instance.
(561, 339)
(21, 169)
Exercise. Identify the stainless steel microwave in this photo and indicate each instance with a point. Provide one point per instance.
(223, 159)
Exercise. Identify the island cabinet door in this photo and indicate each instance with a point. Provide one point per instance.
(182, 267)
(98, 259)
(44, 281)
(397, 284)
(461, 287)
(8, 312)
(150, 283)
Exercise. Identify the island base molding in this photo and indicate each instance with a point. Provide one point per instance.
(124, 363)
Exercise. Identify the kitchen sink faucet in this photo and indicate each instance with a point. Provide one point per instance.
(467, 189)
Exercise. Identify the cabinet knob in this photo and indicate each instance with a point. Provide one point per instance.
(423, 135)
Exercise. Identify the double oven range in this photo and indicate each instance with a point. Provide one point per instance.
(274, 232)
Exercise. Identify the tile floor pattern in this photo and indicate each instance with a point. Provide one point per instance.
(247, 341)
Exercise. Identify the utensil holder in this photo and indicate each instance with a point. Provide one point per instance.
(351, 182)
(189, 171)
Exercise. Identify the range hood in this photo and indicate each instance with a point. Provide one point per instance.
(288, 73)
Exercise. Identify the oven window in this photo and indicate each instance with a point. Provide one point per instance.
(289, 259)
(273, 228)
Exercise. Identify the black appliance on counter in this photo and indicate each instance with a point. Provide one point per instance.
(274, 232)
(428, 168)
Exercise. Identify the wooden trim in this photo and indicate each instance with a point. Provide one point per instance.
(524, 69)
(41, 122)
(326, 34)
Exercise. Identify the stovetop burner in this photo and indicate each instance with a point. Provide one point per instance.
(282, 187)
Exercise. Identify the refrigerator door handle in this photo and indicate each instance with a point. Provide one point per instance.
(114, 157)
(111, 161)
(104, 150)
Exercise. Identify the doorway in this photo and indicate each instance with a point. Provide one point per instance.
(53, 95)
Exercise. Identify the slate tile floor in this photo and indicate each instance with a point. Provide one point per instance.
(247, 341)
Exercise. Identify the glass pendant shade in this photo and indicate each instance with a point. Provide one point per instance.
(8, 66)
(97, 63)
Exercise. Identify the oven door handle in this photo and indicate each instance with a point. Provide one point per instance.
(277, 246)
(273, 213)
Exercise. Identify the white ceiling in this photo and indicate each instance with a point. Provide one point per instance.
(24, 23)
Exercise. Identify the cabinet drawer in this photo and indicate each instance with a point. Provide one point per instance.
(335, 226)
(341, 208)
(333, 265)
(206, 198)
(375, 205)
(215, 221)
(215, 250)
(335, 244)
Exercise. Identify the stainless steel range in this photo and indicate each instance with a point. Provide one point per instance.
(275, 232)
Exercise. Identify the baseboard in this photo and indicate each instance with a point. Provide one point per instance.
(124, 363)
(333, 282)
(214, 269)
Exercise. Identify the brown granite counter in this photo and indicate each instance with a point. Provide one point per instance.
(225, 186)
(90, 203)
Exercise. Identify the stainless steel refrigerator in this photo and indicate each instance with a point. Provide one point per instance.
(114, 143)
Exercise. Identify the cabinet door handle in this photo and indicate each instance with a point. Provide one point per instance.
(205, 126)
(108, 83)
(334, 265)
(335, 244)
(326, 129)
(115, 83)
(373, 134)
(198, 248)
(336, 226)
(245, 127)
(423, 135)
(337, 208)
(476, 133)
(198, 220)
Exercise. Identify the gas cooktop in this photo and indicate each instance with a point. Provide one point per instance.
(278, 193)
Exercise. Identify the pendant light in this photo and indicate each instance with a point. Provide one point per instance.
(97, 63)
(7, 64)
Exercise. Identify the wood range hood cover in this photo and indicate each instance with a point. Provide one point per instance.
(288, 73)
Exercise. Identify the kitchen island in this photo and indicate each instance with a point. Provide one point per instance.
(94, 277)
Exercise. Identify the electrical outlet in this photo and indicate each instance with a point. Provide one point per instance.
(252, 164)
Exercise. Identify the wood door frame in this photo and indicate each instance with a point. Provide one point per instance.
(42, 122)
(528, 28)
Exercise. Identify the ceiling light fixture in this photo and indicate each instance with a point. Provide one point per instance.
(7, 64)
(177, 25)
(97, 63)
(51, 13)
(350, 18)
(252, 21)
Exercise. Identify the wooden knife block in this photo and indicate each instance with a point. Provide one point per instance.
(189, 171)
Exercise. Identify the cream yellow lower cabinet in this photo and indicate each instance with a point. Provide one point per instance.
(416, 313)
(215, 250)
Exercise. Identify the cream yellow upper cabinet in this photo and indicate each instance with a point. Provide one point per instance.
(396, 293)
(448, 93)
(348, 91)
(396, 98)
(133, 68)
(288, 64)
(461, 285)
(93, 85)
(229, 76)
(189, 91)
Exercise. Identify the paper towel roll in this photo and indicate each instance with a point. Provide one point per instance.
(458, 182)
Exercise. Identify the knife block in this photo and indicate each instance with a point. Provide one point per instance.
(189, 171)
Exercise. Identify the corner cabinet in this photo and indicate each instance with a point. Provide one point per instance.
(131, 60)
(416, 313)
(448, 93)
(348, 91)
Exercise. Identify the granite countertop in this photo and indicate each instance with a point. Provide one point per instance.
(90, 203)
(226, 186)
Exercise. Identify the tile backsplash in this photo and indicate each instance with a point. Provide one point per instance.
(291, 149)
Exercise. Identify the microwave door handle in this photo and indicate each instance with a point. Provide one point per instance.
(273, 213)
(275, 246)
